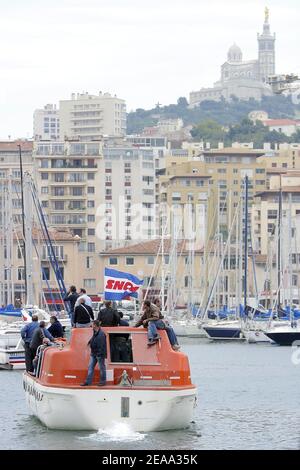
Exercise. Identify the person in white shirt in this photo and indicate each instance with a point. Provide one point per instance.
(83, 295)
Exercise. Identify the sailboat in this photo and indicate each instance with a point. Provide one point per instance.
(286, 333)
(229, 325)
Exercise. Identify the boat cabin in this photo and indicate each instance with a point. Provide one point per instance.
(127, 350)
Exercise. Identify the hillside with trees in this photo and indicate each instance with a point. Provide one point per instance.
(225, 114)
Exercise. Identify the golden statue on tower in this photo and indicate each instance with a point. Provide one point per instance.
(267, 12)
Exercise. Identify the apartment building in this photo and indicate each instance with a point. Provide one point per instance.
(90, 117)
(69, 184)
(11, 213)
(46, 123)
(216, 179)
(127, 188)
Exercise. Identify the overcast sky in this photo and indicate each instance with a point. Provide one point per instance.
(144, 51)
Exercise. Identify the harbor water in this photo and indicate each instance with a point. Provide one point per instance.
(248, 398)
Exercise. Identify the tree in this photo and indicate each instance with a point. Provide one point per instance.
(182, 102)
(208, 131)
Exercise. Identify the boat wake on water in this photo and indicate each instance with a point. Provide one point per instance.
(117, 432)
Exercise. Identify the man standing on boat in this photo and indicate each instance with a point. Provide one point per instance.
(83, 295)
(97, 344)
(71, 297)
(108, 316)
(27, 334)
(83, 314)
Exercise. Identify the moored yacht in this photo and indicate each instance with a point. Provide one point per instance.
(285, 335)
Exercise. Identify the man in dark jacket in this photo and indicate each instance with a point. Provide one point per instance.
(38, 337)
(97, 344)
(71, 297)
(56, 328)
(83, 315)
(27, 333)
(108, 316)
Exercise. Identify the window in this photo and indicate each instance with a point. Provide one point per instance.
(44, 163)
(44, 176)
(20, 252)
(59, 191)
(91, 190)
(129, 261)
(59, 177)
(76, 191)
(21, 274)
(45, 204)
(91, 218)
(89, 283)
(46, 274)
(91, 232)
(148, 179)
(272, 214)
(44, 190)
(260, 170)
(59, 205)
(91, 247)
(150, 260)
(89, 262)
(90, 204)
(91, 176)
(199, 183)
(113, 261)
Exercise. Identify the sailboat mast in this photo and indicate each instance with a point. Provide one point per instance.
(279, 245)
(246, 243)
(23, 220)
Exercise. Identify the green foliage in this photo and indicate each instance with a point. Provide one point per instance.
(222, 112)
(208, 131)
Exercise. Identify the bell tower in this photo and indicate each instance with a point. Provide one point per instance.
(266, 50)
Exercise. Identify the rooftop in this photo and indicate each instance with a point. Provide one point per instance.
(235, 151)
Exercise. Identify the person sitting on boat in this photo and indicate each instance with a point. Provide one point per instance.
(38, 336)
(170, 331)
(71, 297)
(108, 316)
(97, 344)
(150, 319)
(83, 295)
(26, 334)
(56, 328)
(83, 315)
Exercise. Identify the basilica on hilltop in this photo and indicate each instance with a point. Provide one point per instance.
(243, 78)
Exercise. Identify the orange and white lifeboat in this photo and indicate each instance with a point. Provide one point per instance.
(149, 388)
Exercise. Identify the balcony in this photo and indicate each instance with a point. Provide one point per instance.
(59, 258)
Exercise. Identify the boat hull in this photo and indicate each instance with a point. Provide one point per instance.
(256, 336)
(219, 333)
(284, 338)
(12, 359)
(94, 408)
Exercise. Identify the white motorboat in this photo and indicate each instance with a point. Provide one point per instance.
(12, 354)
